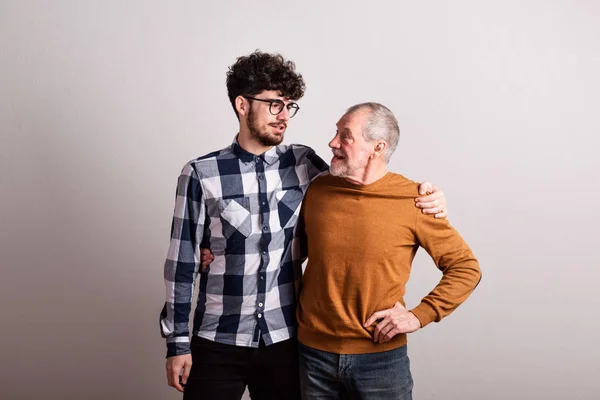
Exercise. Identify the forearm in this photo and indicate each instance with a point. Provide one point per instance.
(175, 316)
(457, 283)
(452, 256)
(178, 342)
(183, 262)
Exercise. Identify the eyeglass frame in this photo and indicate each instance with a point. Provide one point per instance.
(274, 101)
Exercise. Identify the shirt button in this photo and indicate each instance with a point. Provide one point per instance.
(262, 278)
(265, 228)
(260, 304)
(264, 203)
(259, 315)
(264, 252)
(260, 177)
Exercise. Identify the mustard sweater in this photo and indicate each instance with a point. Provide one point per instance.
(361, 242)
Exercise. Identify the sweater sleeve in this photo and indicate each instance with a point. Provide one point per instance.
(460, 270)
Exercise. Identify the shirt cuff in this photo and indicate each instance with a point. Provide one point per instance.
(178, 347)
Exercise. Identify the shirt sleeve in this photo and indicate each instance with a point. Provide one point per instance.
(300, 251)
(315, 165)
(460, 270)
(183, 261)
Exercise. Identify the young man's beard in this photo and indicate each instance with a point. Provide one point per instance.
(263, 138)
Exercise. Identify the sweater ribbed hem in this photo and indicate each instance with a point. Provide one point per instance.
(344, 345)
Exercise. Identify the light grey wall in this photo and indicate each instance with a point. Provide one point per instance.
(102, 102)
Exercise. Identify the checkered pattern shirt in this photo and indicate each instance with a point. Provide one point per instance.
(244, 208)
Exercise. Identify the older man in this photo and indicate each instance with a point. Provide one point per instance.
(362, 232)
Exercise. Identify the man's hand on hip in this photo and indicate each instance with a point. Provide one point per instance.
(394, 320)
(174, 366)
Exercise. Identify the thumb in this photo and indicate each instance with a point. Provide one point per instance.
(186, 372)
(374, 317)
(425, 188)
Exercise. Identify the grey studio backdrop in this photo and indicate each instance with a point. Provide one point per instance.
(102, 103)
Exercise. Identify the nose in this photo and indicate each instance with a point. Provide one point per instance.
(334, 143)
(284, 115)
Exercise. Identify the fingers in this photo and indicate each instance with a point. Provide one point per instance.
(383, 326)
(173, 377)
(388, 333)
(206, 257)
(425, 188)
(433, 210)
(442, 214)
(393, 323)
(385, 331)
(186, 373)
(430, 204)
(375, 316)
(433, 204)
(169, 379)
(204, 264)
(439, 196)
(176, 383)
(206, 254)
(173, 372)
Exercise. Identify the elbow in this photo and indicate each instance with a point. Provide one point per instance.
(477, 275)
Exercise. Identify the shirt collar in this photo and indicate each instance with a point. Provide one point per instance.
(270, 156)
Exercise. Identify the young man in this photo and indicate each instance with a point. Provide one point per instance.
(352, 322)
(243, 203)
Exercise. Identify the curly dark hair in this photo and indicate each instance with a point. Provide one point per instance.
(260, 71)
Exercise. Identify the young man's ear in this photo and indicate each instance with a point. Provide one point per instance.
(242, 105)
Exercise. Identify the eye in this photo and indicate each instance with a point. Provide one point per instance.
(277, 106)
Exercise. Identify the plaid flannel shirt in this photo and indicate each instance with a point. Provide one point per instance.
(244, 208)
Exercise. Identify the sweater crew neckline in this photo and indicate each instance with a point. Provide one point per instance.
(368, 186)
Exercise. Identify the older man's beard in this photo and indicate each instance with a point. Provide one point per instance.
(264, 138)
(345, 168)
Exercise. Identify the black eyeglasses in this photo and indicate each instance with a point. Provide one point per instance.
(276, 106)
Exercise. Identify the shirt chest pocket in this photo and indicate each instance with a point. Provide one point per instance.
(235, 216)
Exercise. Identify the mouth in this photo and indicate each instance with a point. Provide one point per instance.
(279, 127)
(338, 156)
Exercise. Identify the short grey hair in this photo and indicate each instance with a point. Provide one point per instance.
(380, 124)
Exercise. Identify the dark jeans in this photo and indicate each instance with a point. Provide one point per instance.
(221, 371)
(372, 376)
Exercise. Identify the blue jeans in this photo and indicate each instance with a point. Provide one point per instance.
(371, 376)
